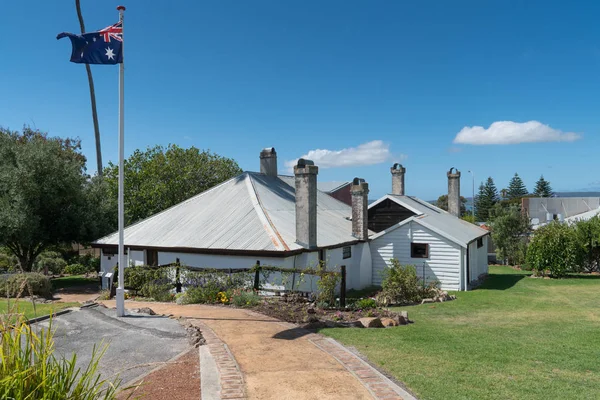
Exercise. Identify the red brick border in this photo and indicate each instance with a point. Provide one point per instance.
(230, 377)
(378, 384)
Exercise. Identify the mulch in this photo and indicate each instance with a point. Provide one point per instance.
(179, 380)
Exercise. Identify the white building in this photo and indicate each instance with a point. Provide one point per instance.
(286, 221)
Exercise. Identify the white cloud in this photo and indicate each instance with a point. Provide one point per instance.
(509, 132)
(374, 152)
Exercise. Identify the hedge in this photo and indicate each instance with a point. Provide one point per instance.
(25, 284)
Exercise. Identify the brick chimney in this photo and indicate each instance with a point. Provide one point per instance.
(268, 161)
(306, 203)
(454, 192)
(398, 171)
(360, 216)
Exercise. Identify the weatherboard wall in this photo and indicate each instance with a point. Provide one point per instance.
(478, 259)
(443, 263)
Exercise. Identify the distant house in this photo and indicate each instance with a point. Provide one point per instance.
(287, 221)
(337, 189)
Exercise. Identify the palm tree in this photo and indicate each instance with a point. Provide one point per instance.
(93, 98)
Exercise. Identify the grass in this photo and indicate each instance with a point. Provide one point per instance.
(25, 307)
(514, 338)
(72, 281)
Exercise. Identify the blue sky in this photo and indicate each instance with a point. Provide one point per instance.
(233, 77)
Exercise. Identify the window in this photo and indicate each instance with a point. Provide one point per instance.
(479, 243)
(419, 250)
(346, 252)
(152, 258)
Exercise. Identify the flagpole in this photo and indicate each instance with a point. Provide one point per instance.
(120, 288)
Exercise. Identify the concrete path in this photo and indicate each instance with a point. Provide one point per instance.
(259, 357)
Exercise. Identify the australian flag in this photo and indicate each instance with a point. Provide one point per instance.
(102, 47)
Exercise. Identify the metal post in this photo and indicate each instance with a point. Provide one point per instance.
(343, 287)
(120, 290)
(257, 276)
(473, 196)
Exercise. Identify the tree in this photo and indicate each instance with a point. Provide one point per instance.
(509, 228)
(516, 188)
(158, 178)
(442, 202)
(588, 239)
(486, 198)
(554, 248)
(543, 188)
(92, 97)
(43, 189)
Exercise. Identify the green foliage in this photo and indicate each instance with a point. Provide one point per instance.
(469, 218)
(365, 304)
(245, 298)
(8, 262)
(401, 285)
(30, 370)
(90, 262)
(50, 261)
(543, 188)
(25, 284)
(43, 195)
(76, 269)
(442, 202)
(207, 294)
(516, 188)
(160, 177)
(485, 200)
(509, 233)
(554, 248)
(588, 240)
(327, 284)
(159, 291)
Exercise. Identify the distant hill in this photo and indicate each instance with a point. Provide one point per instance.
(577, 194)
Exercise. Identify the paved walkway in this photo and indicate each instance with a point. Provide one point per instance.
(259, 357)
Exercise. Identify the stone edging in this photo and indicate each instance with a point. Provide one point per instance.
(380, 386)
(230, 378)
(376, 383)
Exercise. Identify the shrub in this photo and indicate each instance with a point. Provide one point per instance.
(159, 291)
(76, 269)
(30, 370)
(8, 262)
(326, 285)
(53, 264)
(401, 285)
(25, 284)
(245, 298)
(554, 248)
(88, 260)
(206, 294)
(365, 304)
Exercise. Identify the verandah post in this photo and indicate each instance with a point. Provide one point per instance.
(177, 276)
(343, 287)
(257, 276)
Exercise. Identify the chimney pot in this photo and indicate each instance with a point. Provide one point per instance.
(398, 171)
(305, 173)
(268, 161)
(454, 192)
(360, 208)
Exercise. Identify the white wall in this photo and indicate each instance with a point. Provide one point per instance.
(443, 264)
(478, 260)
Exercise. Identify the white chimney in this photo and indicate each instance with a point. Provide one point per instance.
(268, 161)
(306, 203)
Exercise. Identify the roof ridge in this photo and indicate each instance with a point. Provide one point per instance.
(264, 216)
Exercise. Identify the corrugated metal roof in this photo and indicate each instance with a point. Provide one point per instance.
(249, 212)
(583, 216)
(327, 187)
(456, 229)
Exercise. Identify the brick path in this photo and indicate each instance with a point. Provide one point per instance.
(259, 357)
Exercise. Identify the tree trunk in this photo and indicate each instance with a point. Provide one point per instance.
(92, 97)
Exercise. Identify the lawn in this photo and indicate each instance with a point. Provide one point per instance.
(516, 337)
(25, 307)
(72, 281)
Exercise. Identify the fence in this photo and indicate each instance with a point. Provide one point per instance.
(179, 280)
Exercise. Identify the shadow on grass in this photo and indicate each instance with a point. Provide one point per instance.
(501, 281)
(582, 276)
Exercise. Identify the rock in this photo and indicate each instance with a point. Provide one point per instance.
(402, 318)
(389, 322)
(424, 301)
(371, 322)
(146, 310)
(311, 310)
